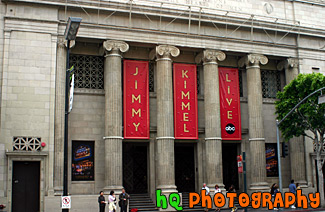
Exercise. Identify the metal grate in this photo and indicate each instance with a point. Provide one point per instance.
(271, 83)
(89, 71)
(26, 144)
(198, 80)
(240, 78)
(151, 76)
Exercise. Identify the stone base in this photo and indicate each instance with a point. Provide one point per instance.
(167, 190)
(58, 191)
(78, 203)
(50, 192)
(117, 189)
(259, 187)
(302, 183)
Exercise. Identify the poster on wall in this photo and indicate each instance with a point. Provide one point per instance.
(185, 101)
(229, 104)
(136, 99)
(271, 160)
(82, 168)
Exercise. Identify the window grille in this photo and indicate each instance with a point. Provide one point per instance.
(89, 71)
(151, 76)
(240, 78)
(198, 79)
(271, 83)
(26, 144)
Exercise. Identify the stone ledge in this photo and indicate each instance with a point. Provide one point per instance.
(26, 153)
(87, 91)
(269, 101)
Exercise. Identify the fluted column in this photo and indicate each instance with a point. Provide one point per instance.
(113, 114)
(60, 76)
(165, 118)
(297, 147)
(255, 117)
(213, 143)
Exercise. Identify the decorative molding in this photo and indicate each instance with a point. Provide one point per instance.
(26, 144)
(253, 60)
(87, 91)
(63, 43)
(269, 101)
(213, 138)
(27, 153)
(164, 52)
(166, 137)
(113, 137)
(115, 47)
(256, 139)
(288, 63)
(210, 56)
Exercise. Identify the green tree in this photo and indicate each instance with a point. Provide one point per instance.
(308, 119)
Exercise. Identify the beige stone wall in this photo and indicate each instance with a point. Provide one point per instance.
(86, 122)
(270, 137)
(28, 86)
(2, 145)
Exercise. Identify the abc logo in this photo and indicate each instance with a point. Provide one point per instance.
(230, 128)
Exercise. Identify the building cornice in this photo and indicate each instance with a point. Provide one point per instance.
(232, 18)
(313, 2)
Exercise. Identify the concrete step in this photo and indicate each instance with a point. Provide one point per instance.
(142, 202)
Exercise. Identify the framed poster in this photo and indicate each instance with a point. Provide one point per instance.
(83, 166)
(271, 155)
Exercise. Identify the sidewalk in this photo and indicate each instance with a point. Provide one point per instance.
(282, 209)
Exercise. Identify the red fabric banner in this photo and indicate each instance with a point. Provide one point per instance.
(136, 99)
(185, 101)
(229, 104)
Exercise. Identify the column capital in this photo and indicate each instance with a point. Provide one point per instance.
(253, 60)
(63, 43)
(210, 56)
(288, 63)
(164, 52)
(115, 47)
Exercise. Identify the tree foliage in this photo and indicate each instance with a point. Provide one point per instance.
(309, 116)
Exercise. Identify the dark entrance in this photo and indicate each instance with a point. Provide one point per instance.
(135, 168)
(229, 165)
(26, 186)
(184, 167)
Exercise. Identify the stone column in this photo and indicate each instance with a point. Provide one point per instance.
(165, 118)
(213, 143)
(255, 115)
(297, 147)
(59, 113)
(113, 114)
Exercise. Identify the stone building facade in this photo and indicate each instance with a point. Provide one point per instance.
(269, 42)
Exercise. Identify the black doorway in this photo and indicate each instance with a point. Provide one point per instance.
(184, 167)
(26, 186)
(135, 170)
(229, 165)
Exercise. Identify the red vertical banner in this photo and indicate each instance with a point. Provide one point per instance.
(229, 104)
(185, 102)
(136, 99)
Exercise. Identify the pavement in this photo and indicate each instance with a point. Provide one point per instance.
(281, 209)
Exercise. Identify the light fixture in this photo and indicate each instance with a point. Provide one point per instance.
(70, 34)
(72, 28)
